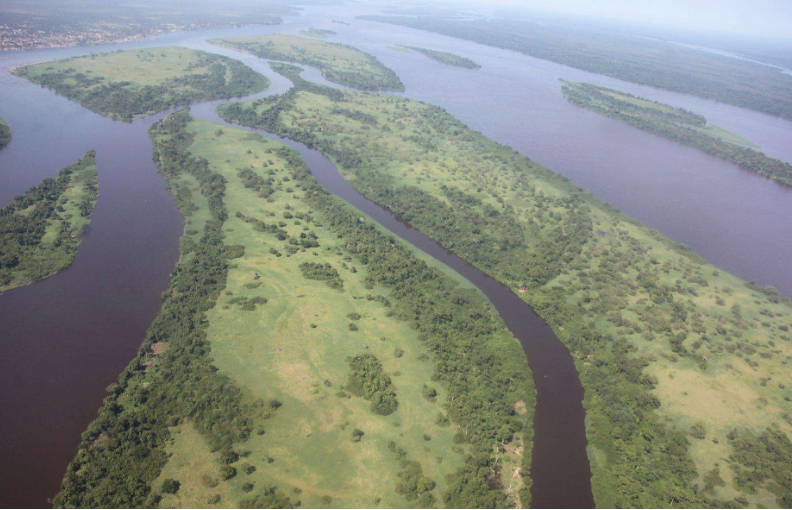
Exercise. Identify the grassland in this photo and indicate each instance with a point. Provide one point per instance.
(678, 125)
(338, 63)
(446, 58)
(241, 395)
(5, 134)
(40, 230)
(321, 33)
(126, 85)
(684, 365)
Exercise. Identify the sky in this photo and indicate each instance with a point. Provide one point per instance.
(768, 18)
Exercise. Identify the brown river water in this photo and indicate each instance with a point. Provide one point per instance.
(63, 340)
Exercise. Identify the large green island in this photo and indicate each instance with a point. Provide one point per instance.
(40, 230)
(678, 125)
(338, 63)
(684, 365)
(127, 85)
(299, 350)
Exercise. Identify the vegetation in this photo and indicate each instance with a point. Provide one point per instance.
(5, 134)
(41, 230)
(251, 408)
(638, 60)
(663, 341)
(322, 33)
(446, 58)
(367, 379)
(338, 63)
(678, 125)
(126, 85)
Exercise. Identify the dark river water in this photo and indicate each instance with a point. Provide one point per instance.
(63, 340)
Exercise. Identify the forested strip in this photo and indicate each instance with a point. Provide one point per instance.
(123, 451)
(674, 126)
(5, 134)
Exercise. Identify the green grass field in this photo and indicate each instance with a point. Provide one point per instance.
(127, 85)
(712, 350)
(41, 230)
(294, 348)
(338, 63)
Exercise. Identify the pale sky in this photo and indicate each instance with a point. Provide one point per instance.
(757, 17)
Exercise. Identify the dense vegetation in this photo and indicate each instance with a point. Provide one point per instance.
(654, 329)
(338, 63)
(40, 231)
(369, 380)
(172, 378)
(446, 58)
(126, 85)
(5, 134)
(675, 124)
(639, 60)
(178, 403)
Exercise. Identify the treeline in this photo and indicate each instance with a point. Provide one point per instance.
(172, 378)
(25, 255)
(5, 134)
(126, 100)
(645, 61)
(672, 123)
(371, 74)
(446, 58)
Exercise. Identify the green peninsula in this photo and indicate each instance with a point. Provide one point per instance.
(338, 63)
(40, 231)
(685, 366)
(678, 125)
(299, 349)
(127, 85)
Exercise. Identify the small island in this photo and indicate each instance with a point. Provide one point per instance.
(5, 134)
(446, 58)
(128, 85)
(338, 63)
(40, 231)
(678, 125)
(318, 32)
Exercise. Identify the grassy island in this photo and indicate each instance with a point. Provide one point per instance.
(446, 58)
(685, 366)
(299, 350)
(5, 134)
(678, 125)
(127, 85)
(338, 63)
(40, 230)
(322, 33)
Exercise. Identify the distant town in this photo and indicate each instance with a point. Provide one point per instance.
(24, 38)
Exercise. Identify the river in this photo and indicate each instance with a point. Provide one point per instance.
(65, 339)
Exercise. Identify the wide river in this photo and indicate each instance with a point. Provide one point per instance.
(63, 340)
